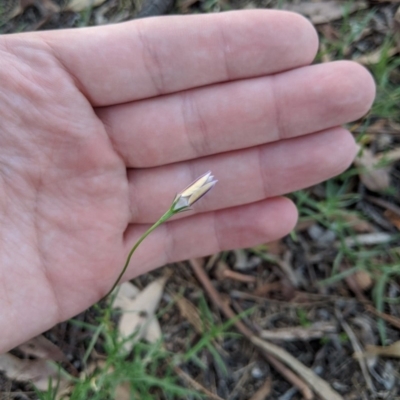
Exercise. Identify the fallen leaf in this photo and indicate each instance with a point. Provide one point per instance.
(329, 32)
(190, 312)
(375, 56)
(80, 5)
(304, 224)
(393, 217)
(264, 391)
(374, 178)
(357, 223)
(391, 156)
(41, 347)
(38, 372)
(138, 314)
(266, 288)
(363, 279)
(384, 351)
(392, 211)
(325, 11)
(126, 292)
(277, 247)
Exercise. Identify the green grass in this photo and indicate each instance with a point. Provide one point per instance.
(380, 261)
(149, 369)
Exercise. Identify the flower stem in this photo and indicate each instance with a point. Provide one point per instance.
(164, 218)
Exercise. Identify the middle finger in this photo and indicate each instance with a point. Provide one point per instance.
(241, 114)
(244, 176)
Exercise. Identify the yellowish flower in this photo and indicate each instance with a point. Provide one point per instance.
(193, 192)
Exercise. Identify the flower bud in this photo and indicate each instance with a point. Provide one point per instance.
(193, 192)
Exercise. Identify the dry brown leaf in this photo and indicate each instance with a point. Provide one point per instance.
(393, 217)
(322, 12)
(304, 224)
(266, 288)
(363, 279)
(389, 156)
(375, 56)
(38, 372)
(359, 224)
(190, 312)
(375, 179)
(138, 313)
(80, 5)
(329, 32)
(264, 391)
(41, 347)
(277, 247)
(384, 351)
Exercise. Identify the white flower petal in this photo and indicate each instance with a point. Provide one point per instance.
(201, 192)
(197, 184)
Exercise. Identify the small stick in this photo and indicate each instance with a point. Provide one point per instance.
(222, 271)
(196, 385)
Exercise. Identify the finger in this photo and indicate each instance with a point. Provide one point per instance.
(244, 176)
(209, 233)
(145, 58)
(239, 114)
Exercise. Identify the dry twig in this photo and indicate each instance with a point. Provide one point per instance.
(196, 385)
(274, 354)
(357, 349)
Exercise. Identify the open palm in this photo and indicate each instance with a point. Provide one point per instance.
(100, 127)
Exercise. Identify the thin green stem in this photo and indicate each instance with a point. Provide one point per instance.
(164, 218)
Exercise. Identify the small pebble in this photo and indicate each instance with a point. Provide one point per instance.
(257, 373)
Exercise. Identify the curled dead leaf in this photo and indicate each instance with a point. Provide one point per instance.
(38, 372)
(138, 312)
(375, 178)
(41, 347)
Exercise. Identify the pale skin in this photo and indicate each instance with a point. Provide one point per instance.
(101, 127)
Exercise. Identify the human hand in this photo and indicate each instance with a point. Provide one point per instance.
(101, 127)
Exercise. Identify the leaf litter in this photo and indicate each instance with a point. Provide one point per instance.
(138, 308)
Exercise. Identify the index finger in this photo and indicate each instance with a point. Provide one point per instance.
(155, 56)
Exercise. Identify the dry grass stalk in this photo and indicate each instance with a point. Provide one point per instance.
(276, 356)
